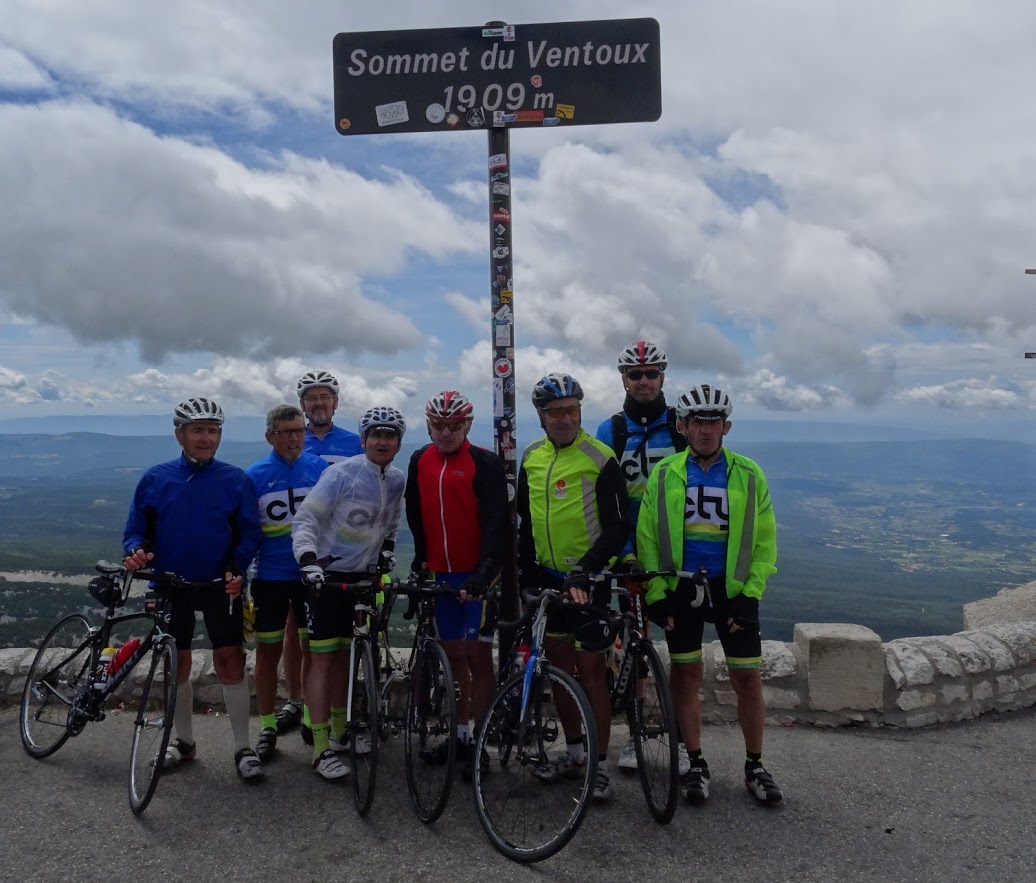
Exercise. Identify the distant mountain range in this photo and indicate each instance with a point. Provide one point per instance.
(251, 428)
(893, 535)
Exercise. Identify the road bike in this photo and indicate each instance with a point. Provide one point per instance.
(428, 721)
(362, 695)
(527, 815)
(640, 691)
(69, 683)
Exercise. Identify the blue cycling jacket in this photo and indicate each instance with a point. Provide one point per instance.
(336, 445)
(199, 520)
(646, 446)
(280, 488)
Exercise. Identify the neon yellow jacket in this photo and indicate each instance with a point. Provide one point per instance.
(571, 504)
(751, 543)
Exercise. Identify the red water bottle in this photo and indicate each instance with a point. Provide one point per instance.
(122, 654)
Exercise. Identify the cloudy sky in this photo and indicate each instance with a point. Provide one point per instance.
(831, 217)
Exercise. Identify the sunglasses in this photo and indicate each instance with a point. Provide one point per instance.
(650, 374)
(446, 425)
(562, 411)
(291, 433)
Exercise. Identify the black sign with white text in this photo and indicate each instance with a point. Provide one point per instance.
(518, 76)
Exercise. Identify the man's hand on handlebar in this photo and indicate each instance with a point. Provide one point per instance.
(577, 585)
(137, 559)
(312, 574)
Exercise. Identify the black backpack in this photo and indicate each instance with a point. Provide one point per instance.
(620, 433)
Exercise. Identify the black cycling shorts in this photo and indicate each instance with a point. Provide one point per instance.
(743, 648)
(272, 598)
(223, 622)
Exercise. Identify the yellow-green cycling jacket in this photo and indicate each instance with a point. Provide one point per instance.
(751, 543)
(572, 507)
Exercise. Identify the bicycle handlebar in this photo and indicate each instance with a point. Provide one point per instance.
(163, 579)
(530, 604)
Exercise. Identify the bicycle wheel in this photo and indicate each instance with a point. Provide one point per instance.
(60, 669)
(153, 725)
(653, 730)
(430, 732)
(364, 719)
(527, 813)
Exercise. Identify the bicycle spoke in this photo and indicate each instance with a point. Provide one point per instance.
(58, 673)
(532, 800)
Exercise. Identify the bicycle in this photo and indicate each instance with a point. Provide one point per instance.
(362, 698)
(525, 817)
(429, 720)
(640, 691)
(68, 682)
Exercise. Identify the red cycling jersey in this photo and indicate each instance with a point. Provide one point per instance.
(456, 506)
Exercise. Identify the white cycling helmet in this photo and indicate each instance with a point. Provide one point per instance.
(642, 353)
(449, 405)
(705, 403)
(196, 411)
(382, 418)
(313, 379)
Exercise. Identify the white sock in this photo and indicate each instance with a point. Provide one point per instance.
(237, 700)
(577, 751)
(464, 733)
(183, 714)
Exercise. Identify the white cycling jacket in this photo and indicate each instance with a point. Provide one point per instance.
(350, 513)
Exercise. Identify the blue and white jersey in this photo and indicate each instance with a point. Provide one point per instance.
(646, 446)
(336, 445)
(706, 518)
(280, 488)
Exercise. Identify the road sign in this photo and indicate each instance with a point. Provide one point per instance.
(514, 76)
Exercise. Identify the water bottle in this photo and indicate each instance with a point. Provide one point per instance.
(248, 624)
(122, 654)
(101, 675)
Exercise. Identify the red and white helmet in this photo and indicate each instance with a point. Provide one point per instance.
(449, 405)
(641, 353)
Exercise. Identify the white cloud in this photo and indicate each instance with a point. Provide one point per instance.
(832, 212)
(973, 394)
(18, 73)
(183, 248)
(11, 380)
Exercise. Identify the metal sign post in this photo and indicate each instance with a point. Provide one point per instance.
(495, 78)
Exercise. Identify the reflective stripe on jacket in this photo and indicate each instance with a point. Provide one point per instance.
(752, 539)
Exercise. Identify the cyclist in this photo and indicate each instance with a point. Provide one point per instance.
(195, 516)
(641, 434)
(346, 524)
(709, 507)
(456, 506)
(281, 480)
(572, 504)
(318, 398)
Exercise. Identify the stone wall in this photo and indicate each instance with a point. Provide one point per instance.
(831, 674)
